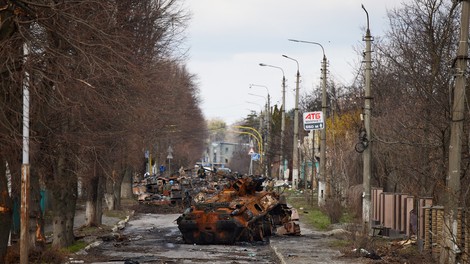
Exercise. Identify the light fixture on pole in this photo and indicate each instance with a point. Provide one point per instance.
(268, 105)
(323, 184)
(295, 168)
(268, 130)
(283, 119)
(255, 104)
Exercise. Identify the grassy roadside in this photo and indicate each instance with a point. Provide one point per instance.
(308, 209)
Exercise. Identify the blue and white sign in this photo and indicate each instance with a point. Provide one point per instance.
(255, 156)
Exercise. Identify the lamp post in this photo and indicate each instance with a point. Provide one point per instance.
(283, 118)
(254, 103)
(261, 121)
(367, 154)
(268, 130)
(323, 185)
(295, 168)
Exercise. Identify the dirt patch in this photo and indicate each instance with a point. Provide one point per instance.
(91, 231)
(39, 255)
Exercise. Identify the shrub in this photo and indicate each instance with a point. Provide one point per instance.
(333, 209)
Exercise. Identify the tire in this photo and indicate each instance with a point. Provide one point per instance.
(359, 147)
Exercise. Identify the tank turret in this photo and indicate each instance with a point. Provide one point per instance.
(242, 211)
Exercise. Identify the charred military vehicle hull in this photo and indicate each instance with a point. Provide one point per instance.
(242, 211)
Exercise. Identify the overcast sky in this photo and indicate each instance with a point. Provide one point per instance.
(227, 39)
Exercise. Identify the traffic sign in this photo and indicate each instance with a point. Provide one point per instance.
(314, 120)
(251, 151)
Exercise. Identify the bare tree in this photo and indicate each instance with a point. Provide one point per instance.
(93, 66)
(412, 78)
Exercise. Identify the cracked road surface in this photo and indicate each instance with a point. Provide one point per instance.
(155, 238)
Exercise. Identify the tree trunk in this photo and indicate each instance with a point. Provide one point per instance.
(94, 196)
(113, 190)
(62, 219)
(91, 209)
(36, 219)
(62, 226)
(64, 199)
(109, 193)
(117, 188)
(91, 199)
(5, 212)
(126, 186)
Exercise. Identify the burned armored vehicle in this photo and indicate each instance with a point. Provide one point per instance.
(241, 211)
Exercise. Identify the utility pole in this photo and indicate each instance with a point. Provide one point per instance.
(295, 154)
(283, 128)
(366, 196)
(450, 229)
(266, 124)
(283, 120)
(295, 159)
(25, 169)
(323, 177)
(268, 141)
(323, 184)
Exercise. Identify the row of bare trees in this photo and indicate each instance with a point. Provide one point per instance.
(107, 82)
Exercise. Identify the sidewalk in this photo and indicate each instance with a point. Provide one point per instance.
(310, 247)
(79, 221)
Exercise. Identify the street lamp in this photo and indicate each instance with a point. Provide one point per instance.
(268, 129)
(367, 154)
(255, 104)
(283, 118)
(262, 118)
(323, 185)
(268, 105)
(295, 169)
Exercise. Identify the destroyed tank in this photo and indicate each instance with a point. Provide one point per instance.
(242, 211)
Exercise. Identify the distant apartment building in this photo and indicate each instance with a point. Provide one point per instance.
(219, 154)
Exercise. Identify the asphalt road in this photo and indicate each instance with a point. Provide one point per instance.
(155, 238)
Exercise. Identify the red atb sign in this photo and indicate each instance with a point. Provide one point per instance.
(313, 120)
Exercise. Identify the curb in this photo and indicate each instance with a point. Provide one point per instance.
(117, 227)
(278, 254)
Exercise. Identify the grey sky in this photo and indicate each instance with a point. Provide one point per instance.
(227, 40)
